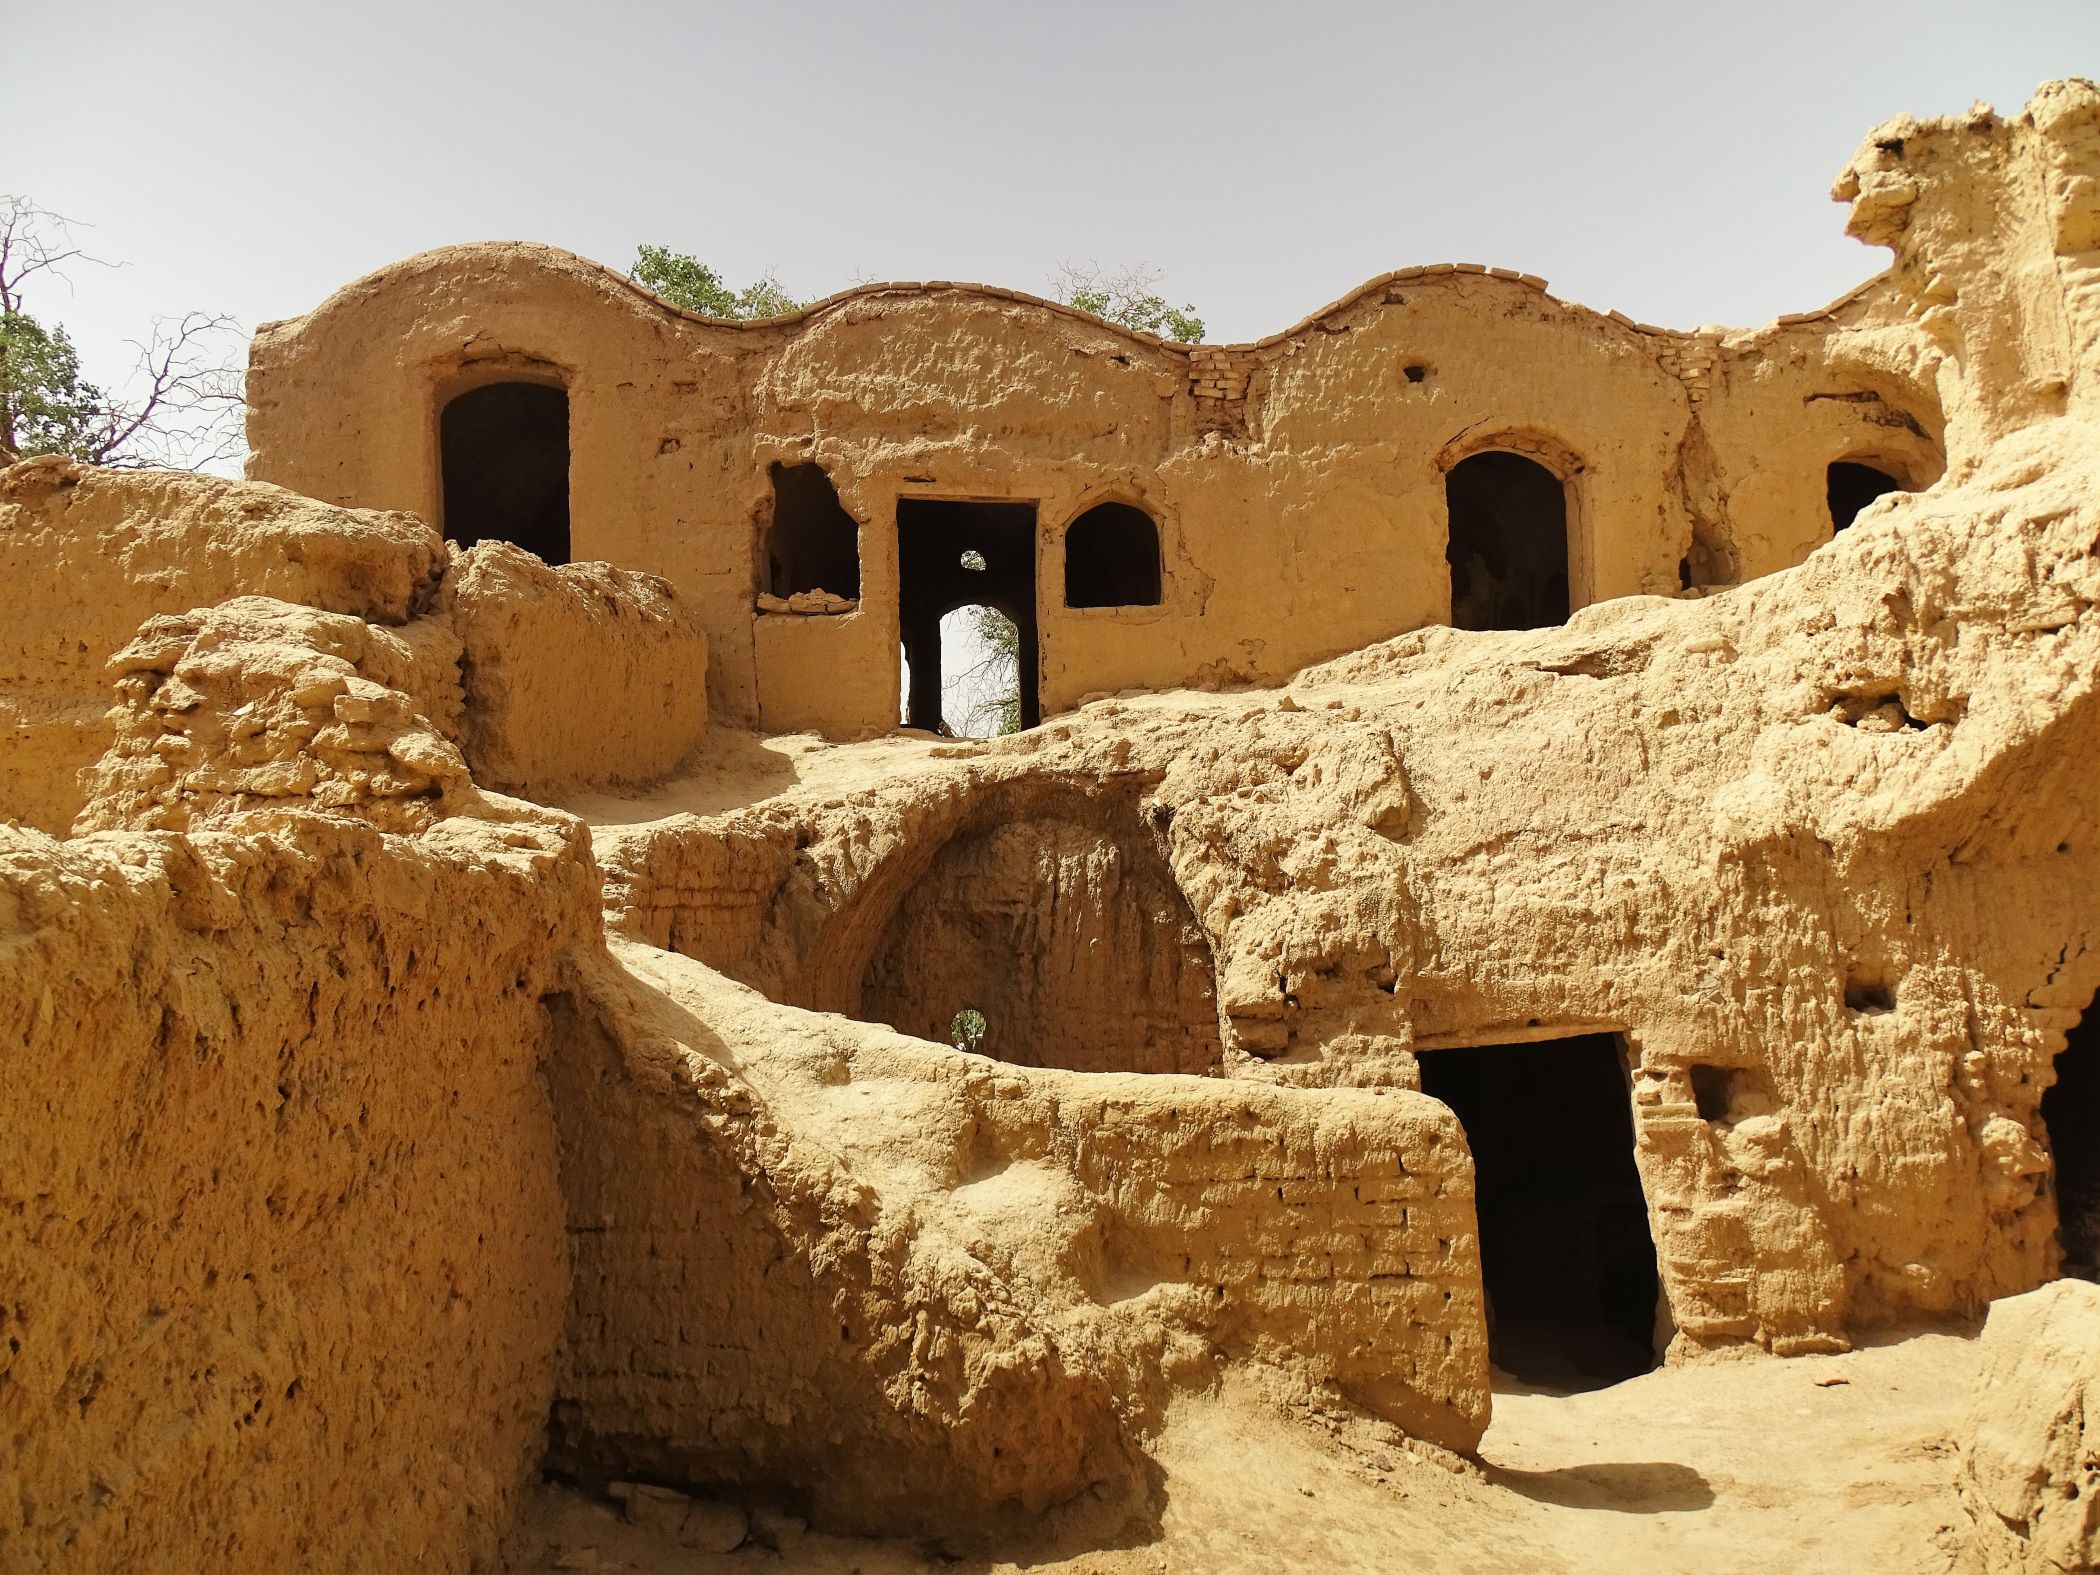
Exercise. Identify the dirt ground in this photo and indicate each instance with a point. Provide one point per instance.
(1751, 1464)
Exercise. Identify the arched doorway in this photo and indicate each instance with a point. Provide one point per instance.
(1507, 544)
(504, 459)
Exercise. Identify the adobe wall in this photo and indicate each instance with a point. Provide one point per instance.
(1298, 483)
(542, 681)
(282, 1247)
(929, 1292)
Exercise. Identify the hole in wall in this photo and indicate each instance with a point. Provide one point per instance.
(1112, 558)
(967, 1029)
(1851, 486)
(2071, 1115)
(811, 542)
(1713, 1090)
(1415, 372)
(1508, 543)
(1868, 994)
(1567, 1260)
(1066, 932)
(503, 458)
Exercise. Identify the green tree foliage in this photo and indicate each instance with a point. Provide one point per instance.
(998, 669)
(46, 406)
(185, 409)
(1127, 296)
(686, 281)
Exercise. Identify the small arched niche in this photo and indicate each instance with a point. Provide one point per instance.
(1059, 928)
(504, 466)
(1508, 542)
(1112, 558)
(811, 543)
(1851, 484)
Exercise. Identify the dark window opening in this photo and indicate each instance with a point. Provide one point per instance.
(503, 454)
(2071, 1112)
(1567, 1260)
(1508, 546)
(1713, 1090)
(934, 582)
(812, 543)
(1851, 487)
(1112, 558)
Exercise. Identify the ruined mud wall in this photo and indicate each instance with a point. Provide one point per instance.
(924, 1291)
(545, 681)
(89, 555)
(1298, 483)
(1072, 944)
(280, 1222)
(585, 676)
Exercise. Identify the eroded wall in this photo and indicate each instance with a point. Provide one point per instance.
(280, 1219)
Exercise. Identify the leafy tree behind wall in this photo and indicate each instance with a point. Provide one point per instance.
(184, 409)
(1127, 296)
(684, 280)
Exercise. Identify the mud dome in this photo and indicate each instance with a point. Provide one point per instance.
(465, 1034)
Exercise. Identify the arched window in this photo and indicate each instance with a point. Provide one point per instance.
(1508, 544)
(504, 457)
(812, 543)
(1112, 558)
(1851, 486)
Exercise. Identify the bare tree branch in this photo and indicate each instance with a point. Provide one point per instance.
(184, 405)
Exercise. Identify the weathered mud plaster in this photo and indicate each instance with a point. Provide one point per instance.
(387, 1137)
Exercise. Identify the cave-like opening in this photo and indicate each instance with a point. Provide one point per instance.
(1566, 1256)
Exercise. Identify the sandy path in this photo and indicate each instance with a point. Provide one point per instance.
(1815, 1463)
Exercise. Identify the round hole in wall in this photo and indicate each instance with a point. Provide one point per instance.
(966, 1031)
(1415, 371)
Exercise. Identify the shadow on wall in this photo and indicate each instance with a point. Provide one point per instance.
(1064, 932)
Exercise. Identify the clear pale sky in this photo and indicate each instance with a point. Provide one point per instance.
(1670, 160)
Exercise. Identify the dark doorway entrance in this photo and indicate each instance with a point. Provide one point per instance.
(1566, 1256)
(1508, 543)
(1850, 487)
(2071, 1112)
(952, 555)
(504, 454)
